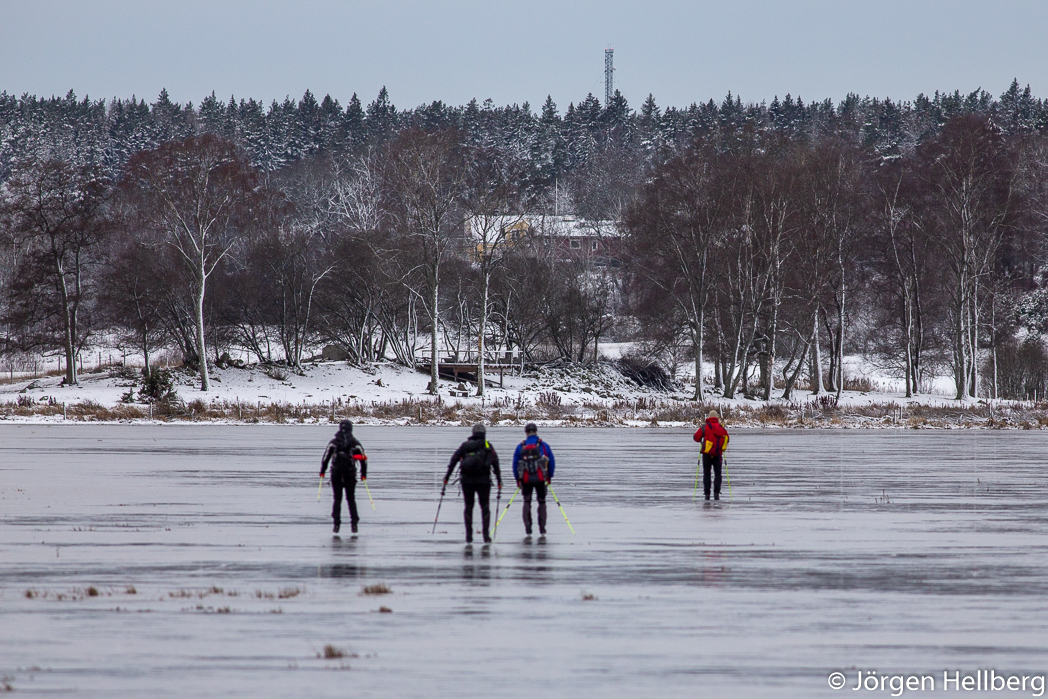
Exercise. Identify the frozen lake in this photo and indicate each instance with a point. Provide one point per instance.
(901, 552)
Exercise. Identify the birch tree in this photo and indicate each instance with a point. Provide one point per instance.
(424, 182)
(494, 223)
(969, 206)
(198, 197)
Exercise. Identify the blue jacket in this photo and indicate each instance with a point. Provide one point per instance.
(532, 438)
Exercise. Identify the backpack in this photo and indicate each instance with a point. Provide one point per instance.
(533, 463)
(347, 449)
(474, 465)
(712, 443)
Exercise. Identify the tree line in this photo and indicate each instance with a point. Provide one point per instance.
(191, 245)
(767, 239)
(779, 254)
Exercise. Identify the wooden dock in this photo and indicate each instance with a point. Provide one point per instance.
(465, 369)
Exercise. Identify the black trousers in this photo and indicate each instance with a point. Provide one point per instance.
(540, 494)
(711, 462)
(344, 479)
(483, 495)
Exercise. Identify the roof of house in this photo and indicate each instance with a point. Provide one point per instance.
(557, 226)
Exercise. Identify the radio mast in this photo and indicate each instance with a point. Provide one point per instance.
(609, 79)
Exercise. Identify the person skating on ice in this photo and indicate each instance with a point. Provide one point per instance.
(344, 452)
(533, 467)
(713, 440)
(478, 459)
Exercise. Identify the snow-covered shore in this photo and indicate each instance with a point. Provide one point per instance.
(391, 394)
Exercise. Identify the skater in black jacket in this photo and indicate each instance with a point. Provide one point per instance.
(347, 452)
(478, 459)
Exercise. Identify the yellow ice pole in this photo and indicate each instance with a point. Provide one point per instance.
(365, 480)
(695, 492)
(320, 487)
(550, 486)
(499, 520)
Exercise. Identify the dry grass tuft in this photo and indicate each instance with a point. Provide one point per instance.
(377, 589)
(333, 653)
(385, 610)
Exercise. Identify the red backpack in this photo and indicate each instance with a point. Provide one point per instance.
(533, 463)
(714, 441)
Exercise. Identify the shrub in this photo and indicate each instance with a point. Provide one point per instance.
(1022, 370)
(644, 372)
(159, 386)
(277, 373)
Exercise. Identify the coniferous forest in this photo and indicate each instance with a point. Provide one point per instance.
(761, 243)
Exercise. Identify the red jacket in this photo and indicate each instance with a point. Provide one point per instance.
(715, 432)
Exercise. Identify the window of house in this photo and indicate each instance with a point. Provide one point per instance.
(575, 244)
(593, 245)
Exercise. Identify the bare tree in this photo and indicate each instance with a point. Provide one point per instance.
(424, 185)
(133, 296)
(197, 196)
(970, 205)
(56, 218)
(835, 206)
(494, 223)
(681, 209)
(299, 230)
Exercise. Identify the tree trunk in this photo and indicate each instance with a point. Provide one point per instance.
(697, 339)
(974, 334)
(840, 343)
(908, 326)
(960, 362)
(769, 358)
(69, 321)
(790, 377)
(816, 358)
(697, 395)
(480, 335)
(198, 310)
(145, 353)
(993, 340)
(434, 363)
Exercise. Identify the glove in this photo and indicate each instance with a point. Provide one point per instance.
(518, 483)
(321, 474)
(500, 486)
(363, 479)
(548, 481)
(445, 480)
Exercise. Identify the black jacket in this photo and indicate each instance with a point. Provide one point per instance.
(478, 459)
(347, 452)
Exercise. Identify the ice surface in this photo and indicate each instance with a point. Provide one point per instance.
(890, 550)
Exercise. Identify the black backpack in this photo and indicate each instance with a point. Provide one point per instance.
(346, 449)
(533, 463)
(475, 464)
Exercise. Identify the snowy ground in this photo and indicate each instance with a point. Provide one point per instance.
(321, 383)
(895, 551)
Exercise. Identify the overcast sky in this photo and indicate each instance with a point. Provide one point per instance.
(520, 51)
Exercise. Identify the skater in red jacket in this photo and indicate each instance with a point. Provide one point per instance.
(713, 439)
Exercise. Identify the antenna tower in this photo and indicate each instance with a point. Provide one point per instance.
(609, 79)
